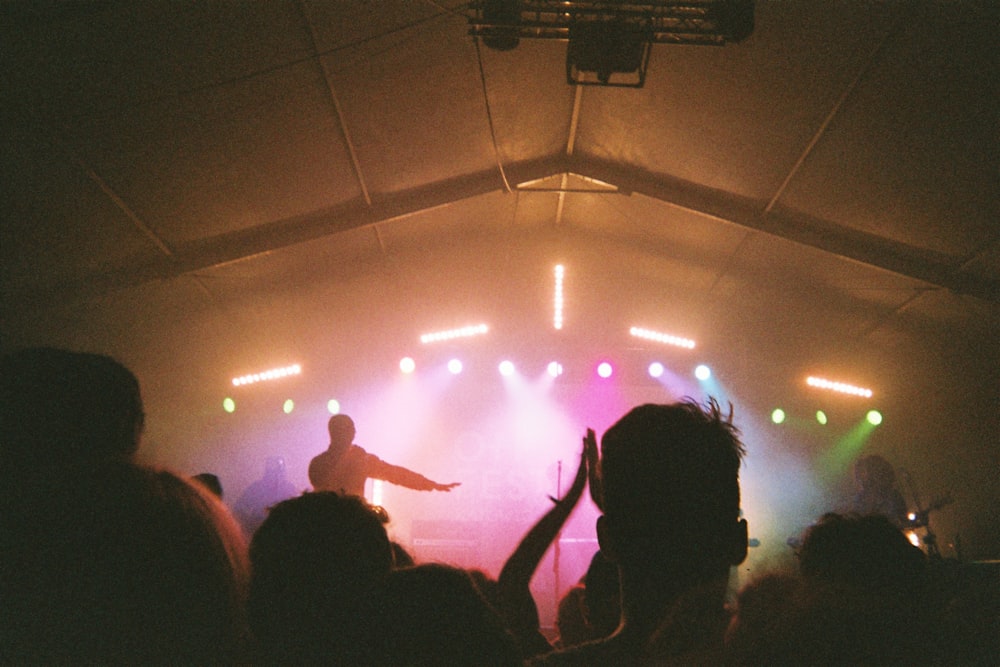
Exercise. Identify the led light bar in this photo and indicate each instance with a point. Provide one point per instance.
(658, 337)
(557, 317)
(464, 332)
(841, 387)
(273, 374)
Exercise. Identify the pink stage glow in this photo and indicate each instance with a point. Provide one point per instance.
(512, 442)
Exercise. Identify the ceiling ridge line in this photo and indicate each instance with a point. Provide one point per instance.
(115, 198)
(574, 122)
(489, 115)
(355, 162)
(247, 244)
(826, 236)
(821, 130)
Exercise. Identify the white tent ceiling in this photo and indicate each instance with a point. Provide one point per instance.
(205, 188)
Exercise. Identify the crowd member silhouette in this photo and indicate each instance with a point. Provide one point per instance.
(862, 598)
(671, 505)
(319, 562)
(590, 609)
(433, 614)
(211, 482)
(876, 490)
(401, 556)
(345, 467)
(103, 561)
(63, 411)
(273, 487)
(763, 620)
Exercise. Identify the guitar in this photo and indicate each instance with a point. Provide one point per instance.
(920, 518)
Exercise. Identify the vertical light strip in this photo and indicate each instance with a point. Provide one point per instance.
(557, 317)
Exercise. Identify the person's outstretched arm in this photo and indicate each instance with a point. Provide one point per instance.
(513, 585)
(376, 468)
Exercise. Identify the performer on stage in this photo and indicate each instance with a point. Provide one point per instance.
(345, 467)
(877, 492)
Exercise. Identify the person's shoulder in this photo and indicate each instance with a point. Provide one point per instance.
(319, 467)
(359, 452)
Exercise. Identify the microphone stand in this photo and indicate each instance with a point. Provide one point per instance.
(557, 547)
(923, 517)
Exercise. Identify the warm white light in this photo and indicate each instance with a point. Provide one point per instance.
(841, 387)
(703, 372)
(333, 406)
(272, 374)
(655, 369)
(288, 406)
(455, 366)
(557, 318)
(506, 368)
(656, 336)
(463, 332)
(604, 369)
(555, 369)
(407, 365)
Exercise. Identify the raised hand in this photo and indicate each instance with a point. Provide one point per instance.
(514, 600)
(593, 470)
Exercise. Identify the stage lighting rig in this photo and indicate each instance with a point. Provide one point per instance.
(609, 42)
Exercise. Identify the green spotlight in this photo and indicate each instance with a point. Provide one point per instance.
(821, 417)
(778, 416)
(837, 460)
(288, 406)
(874, 417)
(229, 405)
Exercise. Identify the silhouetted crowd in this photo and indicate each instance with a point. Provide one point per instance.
(105, 561)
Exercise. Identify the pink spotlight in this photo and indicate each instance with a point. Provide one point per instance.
(604, 369)
(655, 369)
(407, 365)
(455, 366)
(506, 368)
(554, 369)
